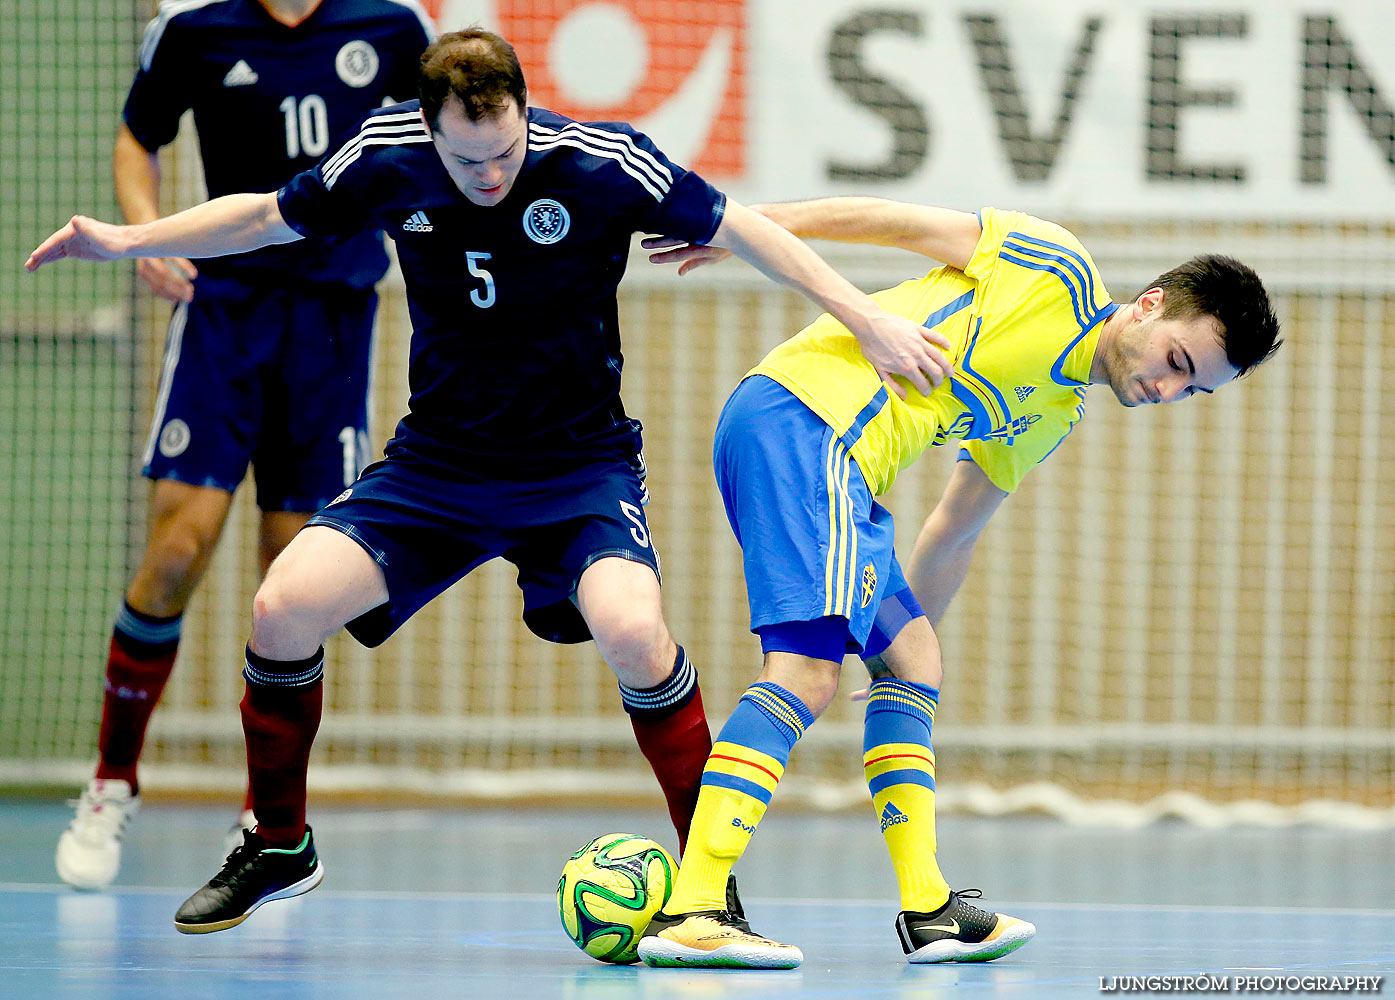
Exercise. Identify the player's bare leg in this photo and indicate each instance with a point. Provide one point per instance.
(184, 524)
(322, 580)
(621, 602)
(936, 924)
(813, 681)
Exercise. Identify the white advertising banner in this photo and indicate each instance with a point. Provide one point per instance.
(1258, 109)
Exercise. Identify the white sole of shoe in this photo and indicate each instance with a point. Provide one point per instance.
(661, 953)
(296, 889)
(1008, 941)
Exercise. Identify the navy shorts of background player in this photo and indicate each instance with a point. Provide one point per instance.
(516, 443)
(269, 363)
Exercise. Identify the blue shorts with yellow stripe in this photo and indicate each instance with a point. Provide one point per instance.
(814, 542)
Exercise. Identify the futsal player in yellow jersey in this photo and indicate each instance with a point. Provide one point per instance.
(814, 433)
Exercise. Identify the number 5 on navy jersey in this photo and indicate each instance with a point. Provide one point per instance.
(636, 517)
(486, 299)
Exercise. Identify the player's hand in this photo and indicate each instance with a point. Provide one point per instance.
(168, 277)
(895, 345)
(861, 694)
(81, 239)
(686, 255)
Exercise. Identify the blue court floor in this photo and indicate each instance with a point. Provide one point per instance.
(459, 903)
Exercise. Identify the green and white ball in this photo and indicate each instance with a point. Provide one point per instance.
(609, 891)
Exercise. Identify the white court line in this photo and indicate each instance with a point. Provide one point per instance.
(155, 890)
(549, 897)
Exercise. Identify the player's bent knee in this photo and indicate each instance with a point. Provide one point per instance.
(914, 654)
(636, 645)
(822, 688)
(813, 680)
(269, 613)
(284, 625)
(176, 556)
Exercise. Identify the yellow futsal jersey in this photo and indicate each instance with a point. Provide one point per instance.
(1022, 319)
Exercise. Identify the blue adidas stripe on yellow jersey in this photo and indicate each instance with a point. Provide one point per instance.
(1023, 319)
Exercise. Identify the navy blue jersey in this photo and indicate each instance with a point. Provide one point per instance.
(269, 100)
(515, 358)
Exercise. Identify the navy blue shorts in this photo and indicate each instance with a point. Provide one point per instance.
(426, 532)
(272, 376)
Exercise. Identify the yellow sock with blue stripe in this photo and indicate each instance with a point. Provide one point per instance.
(900, 769)
(746, 764)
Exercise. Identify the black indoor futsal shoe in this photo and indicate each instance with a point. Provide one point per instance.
(253, 874)
(960, 932)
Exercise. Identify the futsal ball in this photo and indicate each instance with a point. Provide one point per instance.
(609, 891)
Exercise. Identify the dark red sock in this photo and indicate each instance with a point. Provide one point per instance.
(279, 721)
(136, 675)
(677, 747)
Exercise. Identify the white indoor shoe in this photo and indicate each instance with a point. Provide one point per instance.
(89, 851)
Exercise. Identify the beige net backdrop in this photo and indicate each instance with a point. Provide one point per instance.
(1185, 610)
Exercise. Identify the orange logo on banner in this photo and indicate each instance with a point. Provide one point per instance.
(672, 68)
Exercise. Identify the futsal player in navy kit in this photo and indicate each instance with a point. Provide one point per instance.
(513, 227)
(266, 359)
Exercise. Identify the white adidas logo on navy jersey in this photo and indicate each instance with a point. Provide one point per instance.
(418, 223)
(240, 75)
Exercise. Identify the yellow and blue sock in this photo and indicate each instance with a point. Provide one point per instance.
(900, 769)
(746, 764)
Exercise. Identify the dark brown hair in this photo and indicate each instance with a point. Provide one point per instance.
(475, 66)
(1213, 285)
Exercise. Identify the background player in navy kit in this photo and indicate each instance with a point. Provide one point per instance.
(267, 354)
(513, 227)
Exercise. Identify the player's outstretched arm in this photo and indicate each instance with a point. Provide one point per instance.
(940, 560)
(941, 233)
(231, 224)
(894, 345)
